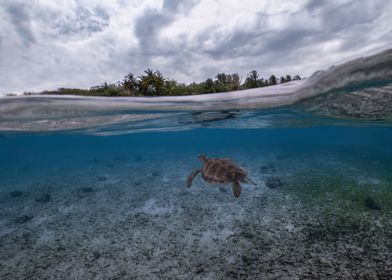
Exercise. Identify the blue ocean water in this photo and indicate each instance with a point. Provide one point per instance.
(23, 155)
(117, 207)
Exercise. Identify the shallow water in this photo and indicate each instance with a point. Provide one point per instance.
(88, 207)
(95, 192)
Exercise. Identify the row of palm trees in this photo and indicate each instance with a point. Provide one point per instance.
(152, 83)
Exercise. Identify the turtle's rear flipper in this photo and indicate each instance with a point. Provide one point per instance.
(236, 189)
(191, 177)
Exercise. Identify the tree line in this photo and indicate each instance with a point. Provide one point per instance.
(153, 83)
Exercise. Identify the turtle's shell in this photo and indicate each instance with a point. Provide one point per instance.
(217, 170)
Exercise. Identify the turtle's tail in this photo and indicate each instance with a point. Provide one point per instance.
(249, 180)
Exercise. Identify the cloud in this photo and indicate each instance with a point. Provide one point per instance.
(80, 43)
(147, 28)
(20, 19)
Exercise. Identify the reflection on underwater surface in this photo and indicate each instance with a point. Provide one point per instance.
(84, 207)
(362, 107)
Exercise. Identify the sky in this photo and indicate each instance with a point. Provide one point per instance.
(48, 44)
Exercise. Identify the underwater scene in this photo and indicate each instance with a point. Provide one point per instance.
(202, 187)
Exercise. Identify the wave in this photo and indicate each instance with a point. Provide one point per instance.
(259, 107)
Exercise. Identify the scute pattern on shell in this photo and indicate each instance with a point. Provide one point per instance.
(222, 171)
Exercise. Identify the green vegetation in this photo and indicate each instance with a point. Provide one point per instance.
(336, 191)
(153, 83)
(343, 210)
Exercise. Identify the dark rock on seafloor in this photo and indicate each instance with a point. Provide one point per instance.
(183, 193)
(223, 189)
(155, 173)
(141, 219)
(16, 193)
(200, 268)
(273, 183)
(87, 189)
(270, 168)
(371, 204)
(264, 169)
(120, 158)
(101, 178)
(43, 198)
(23, 219)
(248, 261)
(247, 234)
(26, 168)
(94, 256)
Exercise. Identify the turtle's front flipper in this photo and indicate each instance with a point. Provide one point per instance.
(191, 177)
(248, 180)
(236, 189)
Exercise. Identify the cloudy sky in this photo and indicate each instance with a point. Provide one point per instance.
(47, 44)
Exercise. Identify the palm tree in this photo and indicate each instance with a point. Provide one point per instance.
(209, 86)
(130, 83)
(152, 82)
(221, 78)
(273, 80)
(159, 82)
(252, 80)
(146, 82)
(233, 81)
(296, 77)
(261, 82)
(170, 87)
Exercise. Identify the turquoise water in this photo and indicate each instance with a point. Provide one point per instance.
(76, 206)
(36, 154)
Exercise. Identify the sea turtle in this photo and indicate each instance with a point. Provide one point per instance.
(221, 171)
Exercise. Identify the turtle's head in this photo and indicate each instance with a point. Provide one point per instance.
(202, 157)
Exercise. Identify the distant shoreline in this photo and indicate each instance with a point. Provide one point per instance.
(153, 83)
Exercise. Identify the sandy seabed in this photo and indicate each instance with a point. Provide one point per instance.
(134, 218)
